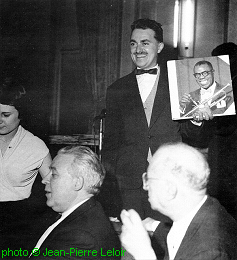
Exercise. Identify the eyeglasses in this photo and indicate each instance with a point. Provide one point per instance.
(145, 179)
(204, 74)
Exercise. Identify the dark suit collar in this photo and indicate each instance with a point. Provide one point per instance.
(81, 209)
(195, 224)
(136, 106)
(75, 214)
(162, 96)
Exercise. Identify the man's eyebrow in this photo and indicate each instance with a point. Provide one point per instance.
(145, 40)
(52, 168)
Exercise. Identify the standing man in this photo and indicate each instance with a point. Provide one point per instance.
(138, 118)
(83, 231)
(204, 74)
(202, 229)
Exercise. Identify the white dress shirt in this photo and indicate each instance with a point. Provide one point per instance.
(208, 93)
(146, 82)
(178, 230)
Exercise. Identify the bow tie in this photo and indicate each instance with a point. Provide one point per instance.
(141, 71)
(206, 91)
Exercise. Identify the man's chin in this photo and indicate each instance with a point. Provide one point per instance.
(49, 203)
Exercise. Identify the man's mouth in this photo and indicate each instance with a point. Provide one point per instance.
(138, 56)
(47, 193)
(203, 81)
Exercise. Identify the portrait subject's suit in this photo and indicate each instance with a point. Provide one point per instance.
(128, 136)
(86, 228)
(219, 107)
(211, 235)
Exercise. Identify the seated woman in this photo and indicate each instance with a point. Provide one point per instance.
(22, 156)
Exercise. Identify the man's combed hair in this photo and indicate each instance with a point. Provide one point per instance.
(149, 24)
(86, 163)
(204, 62)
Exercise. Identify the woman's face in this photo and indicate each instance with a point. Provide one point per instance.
(9, 120)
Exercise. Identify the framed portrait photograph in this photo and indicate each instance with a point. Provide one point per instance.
(198, 82)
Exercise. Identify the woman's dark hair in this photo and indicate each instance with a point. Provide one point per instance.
(14, 94)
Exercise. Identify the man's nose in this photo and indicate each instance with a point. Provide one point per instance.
(46, 179)
(139, 48)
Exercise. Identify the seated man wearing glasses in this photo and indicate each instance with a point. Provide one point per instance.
(216, 95)
(176, 181)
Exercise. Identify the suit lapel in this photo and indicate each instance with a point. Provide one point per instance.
(75, 214)
(134, 102)
(161, 98)
(193, 228)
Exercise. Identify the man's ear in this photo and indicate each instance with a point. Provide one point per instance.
(171, 189)
(160, 47)
(79, 183)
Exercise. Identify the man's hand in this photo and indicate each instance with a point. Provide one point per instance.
(203, 113)
(150, 224)
(186, 98)
(134, 236)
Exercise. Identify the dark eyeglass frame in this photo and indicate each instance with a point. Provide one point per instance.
(205, 73)
(145, 178)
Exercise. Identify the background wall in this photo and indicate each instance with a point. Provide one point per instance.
(34, 33)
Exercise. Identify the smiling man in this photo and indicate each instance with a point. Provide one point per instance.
(83, 231)
(138, 121)
(204, 75)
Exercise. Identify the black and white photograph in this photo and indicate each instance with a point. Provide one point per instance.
(196, 82)
(118, 129)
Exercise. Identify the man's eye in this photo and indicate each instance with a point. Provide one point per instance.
(6, 115)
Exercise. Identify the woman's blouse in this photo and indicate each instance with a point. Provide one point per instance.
(20, 164)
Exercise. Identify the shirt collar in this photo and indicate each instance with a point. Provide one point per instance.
(187, 219)
(156, 66)
(211, 89)
(70, 210)
(147, 74)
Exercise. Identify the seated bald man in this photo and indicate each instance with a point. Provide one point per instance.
(202, 229)
(83, 231)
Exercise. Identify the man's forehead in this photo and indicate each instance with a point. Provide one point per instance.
(201, 67)
(62, 160)
(158, 162)
(155, 169)
(142, 33)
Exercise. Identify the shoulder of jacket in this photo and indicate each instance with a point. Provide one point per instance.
(123, 80)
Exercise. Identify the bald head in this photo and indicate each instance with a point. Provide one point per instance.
(182, 162)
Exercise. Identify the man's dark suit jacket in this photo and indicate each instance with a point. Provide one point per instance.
(86, 228)
(127, 135)
(212, 235)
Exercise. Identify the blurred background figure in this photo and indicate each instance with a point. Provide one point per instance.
(22, 157)
(223, 146)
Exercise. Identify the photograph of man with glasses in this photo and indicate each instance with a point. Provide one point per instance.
(210, 96)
